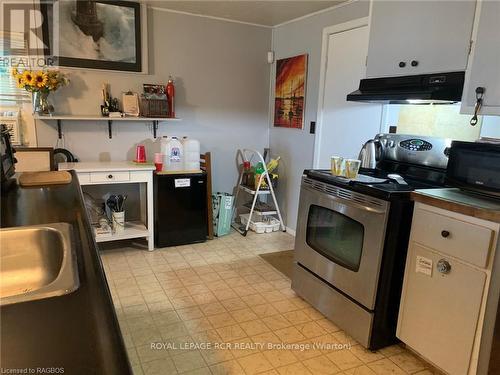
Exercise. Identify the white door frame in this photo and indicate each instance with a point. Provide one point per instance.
(327, 31)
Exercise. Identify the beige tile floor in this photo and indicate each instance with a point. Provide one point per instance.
(218, 308)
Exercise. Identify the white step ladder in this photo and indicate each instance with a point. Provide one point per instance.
(247, 155)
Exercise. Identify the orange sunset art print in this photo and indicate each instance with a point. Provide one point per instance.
(289, 92)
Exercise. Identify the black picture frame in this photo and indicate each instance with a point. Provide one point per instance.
(103, 64)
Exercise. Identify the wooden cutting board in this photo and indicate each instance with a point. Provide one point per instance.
(44, 178)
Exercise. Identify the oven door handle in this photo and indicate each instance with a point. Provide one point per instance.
(361, 206)
(349, 202)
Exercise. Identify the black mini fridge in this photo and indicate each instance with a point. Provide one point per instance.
(180, 209)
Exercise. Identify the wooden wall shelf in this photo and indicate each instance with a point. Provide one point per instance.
(61, 118)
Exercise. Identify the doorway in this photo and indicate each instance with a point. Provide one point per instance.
(343, 126)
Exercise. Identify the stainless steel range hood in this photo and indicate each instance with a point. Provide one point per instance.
(441, 88)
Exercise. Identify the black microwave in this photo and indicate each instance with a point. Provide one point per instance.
(474, 167)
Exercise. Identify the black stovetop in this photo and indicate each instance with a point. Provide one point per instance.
(375, 182)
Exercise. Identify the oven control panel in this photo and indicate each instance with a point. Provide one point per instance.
(415, 145)
(408, 148)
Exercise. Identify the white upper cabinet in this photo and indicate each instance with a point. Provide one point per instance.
(419, 37)
(484, 63)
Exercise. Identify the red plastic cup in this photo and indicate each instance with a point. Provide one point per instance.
(159, 167)
(140, 154)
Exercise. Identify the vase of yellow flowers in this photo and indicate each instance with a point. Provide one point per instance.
(40, 103)
(40, 84)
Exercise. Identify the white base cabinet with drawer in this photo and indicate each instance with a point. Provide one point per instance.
(109, 177)
(446, 283)
(440, 310)
(460, 239)
(114, 174)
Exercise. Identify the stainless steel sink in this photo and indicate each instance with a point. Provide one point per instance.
(37, 262)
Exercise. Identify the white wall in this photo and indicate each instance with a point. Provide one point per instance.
(491, 127)
(447, 123)
(296, 147)
(222, 83)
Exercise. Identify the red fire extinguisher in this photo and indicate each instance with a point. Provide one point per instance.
(170, 97)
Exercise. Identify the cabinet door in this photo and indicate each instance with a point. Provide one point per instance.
(439, 311)
(435, 34)
(485, 60)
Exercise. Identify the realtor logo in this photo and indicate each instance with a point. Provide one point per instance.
(27, 32)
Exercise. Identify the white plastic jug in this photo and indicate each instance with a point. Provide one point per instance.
(173, 154)
(191, 154)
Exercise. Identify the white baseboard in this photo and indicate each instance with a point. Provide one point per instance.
(290, 231)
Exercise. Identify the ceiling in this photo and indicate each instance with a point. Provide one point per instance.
(268, 13)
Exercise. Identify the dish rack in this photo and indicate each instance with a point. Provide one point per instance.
(263, 217)
(262, 225)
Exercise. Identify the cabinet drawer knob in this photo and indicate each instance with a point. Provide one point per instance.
(402, 64)
(443, 266)
(414, 63)
(445, 233)
(110, 176)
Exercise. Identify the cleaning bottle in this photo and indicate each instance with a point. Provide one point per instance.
(171, 97)
(259, 171)
(273, 164)
(246, 177)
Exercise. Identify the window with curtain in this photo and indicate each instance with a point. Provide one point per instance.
(10, 94)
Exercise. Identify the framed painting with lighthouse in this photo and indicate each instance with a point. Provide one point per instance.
(97, 34)
(290, 92)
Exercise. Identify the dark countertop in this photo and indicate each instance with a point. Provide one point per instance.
(78, 331)
(453, 199)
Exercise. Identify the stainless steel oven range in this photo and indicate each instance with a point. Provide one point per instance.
(352, 236)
